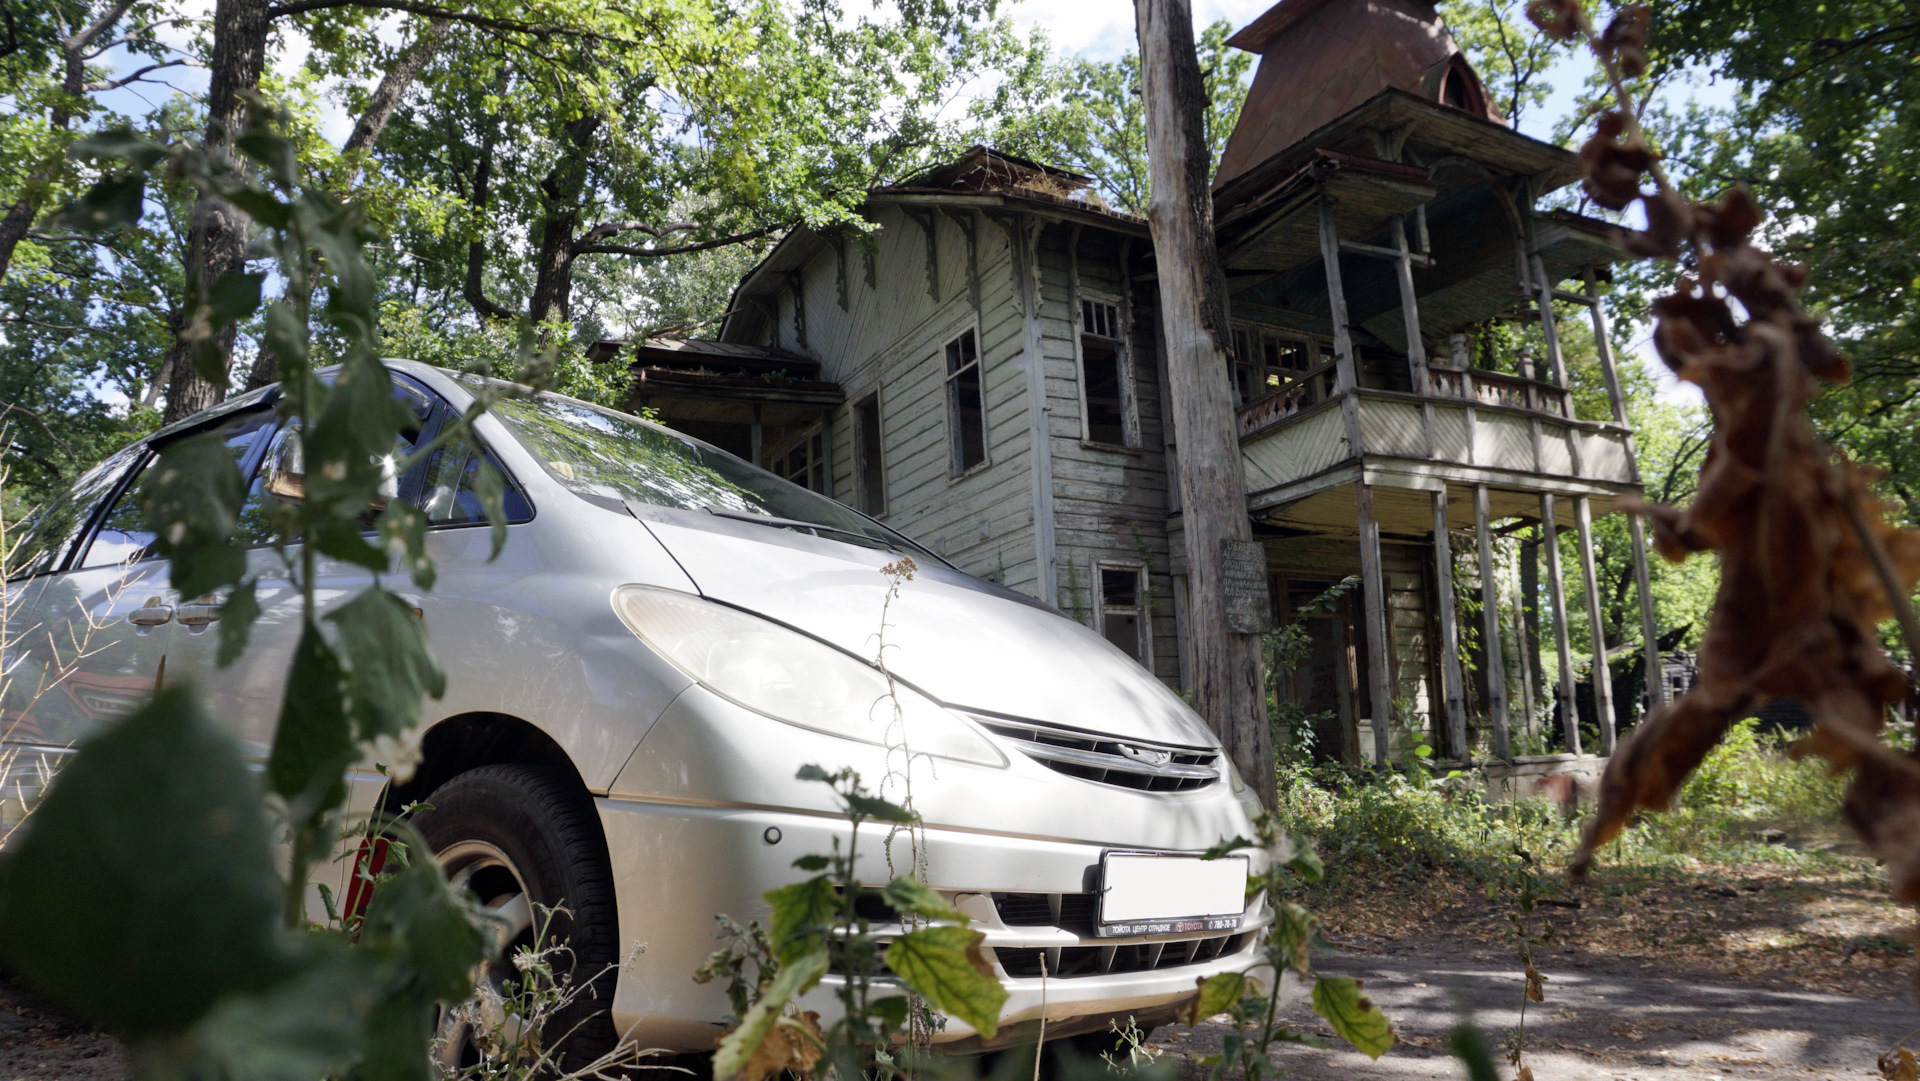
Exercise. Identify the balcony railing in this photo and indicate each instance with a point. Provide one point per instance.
(1303, 391)
(1499, 389)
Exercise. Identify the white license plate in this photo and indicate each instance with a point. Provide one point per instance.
(1148, 893)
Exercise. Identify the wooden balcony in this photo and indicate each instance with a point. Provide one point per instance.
(1474, 427)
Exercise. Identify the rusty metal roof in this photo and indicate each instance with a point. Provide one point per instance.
(1321, 59)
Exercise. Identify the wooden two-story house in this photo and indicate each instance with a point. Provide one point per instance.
(981, 369)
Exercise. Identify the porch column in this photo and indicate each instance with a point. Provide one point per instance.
(1373, 585)
(1409, 309)
(1649, 626)
(759, 436)
(1337, 302)
(1569, 712)
(1548, 326)
(1490, 622)
(1604, 347)
(1452, 685)
(1602, 680)
(1523, 649)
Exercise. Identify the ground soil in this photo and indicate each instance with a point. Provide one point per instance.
(1720, 972)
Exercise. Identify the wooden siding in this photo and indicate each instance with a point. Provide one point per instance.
(1309, 445)
(891, 337)
(1110, 504)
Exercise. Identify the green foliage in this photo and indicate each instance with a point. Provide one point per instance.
(1286, 949)
(1088, 115)
(142, 892)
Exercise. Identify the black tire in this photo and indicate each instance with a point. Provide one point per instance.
(542, 827)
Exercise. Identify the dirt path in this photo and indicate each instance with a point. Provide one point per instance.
(1613, 1024)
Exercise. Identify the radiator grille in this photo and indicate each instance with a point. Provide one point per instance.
(1151, 767)
(1067, 962)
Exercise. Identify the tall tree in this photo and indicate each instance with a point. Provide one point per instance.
(1227, 684)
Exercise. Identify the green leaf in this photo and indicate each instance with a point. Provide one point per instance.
(945, 965)
(1217, 994)
(271, 150)
(877, 809)
(192, 503)
(891, 1011)
(118, 143)
(1352, 1014)
(795, 978)
(403, 532)
(261, 207)
(1233, 844)
(312, 744)
(491, 489)
(143, 888)
(1307, 865)
(390, 669)
(1470, 1047)
(234, 296)
(237, 614)
(905, 895)
(285, 340)
(113, 203)
(342, 539)
(415, 913)
(310, 1025)
(1291, 937)
(812, 863)
(811, 772)
(802, 912)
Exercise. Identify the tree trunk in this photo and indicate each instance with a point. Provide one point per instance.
(217, 242)
(1227, 688)
(563, 187)
(19, 217)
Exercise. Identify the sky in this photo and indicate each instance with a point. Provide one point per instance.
(1095, 29)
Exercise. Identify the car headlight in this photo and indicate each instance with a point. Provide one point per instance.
(790, 677)
(1234, 780)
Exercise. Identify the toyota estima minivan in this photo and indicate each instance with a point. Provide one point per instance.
(669, 634)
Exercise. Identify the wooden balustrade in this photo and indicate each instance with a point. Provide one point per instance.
(1309, 388)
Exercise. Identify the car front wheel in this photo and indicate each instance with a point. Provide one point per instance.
(527, 845)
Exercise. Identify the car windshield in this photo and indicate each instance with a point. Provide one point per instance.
(597, 452)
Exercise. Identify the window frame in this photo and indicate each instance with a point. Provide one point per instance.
(1123, 370)
(812, 440)
(869, 498)
(1141, 609)
(957, 465)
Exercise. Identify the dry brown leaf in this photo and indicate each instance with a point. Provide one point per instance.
(793, 1046)
(1536, 984)
(1525, 1074)
(1899, 1065)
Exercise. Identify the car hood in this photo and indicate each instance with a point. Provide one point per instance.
(968, 643)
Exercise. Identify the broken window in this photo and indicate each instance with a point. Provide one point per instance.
(870, 480)
(966, 404)
(1122, 619)
(805, 463)
(1106, 403)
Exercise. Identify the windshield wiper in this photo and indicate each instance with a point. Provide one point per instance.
(814, 528)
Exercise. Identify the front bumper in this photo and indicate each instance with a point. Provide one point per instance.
(707, 817)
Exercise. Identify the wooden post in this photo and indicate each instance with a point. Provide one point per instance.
(1602, 679)
(1227, 689)
(1569, 710)
(1548, 327)
(1523, 651)
(1409, 309)
(1604, 347)
(1496, 668)
(758, 436)
(1346, 365)
(1649, 625)
(1452, 683)
(1374, 593)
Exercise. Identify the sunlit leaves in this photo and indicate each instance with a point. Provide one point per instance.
(391, 669)
(144, 888)
(945, 964)
(802, 911)
(1217, 993)
(1352, 1015)
(739, 1045)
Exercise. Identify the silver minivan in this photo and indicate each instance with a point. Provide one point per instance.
(667, 636)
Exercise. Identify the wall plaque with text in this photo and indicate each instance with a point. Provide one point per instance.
(1244, 566)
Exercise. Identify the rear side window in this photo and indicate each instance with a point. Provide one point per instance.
(52, 531)
(448, 497)
(123, 536)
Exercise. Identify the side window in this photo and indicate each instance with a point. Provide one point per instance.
(123, 536)
(870, 478)
(966, 405)
(1122, 621)
(448, 497)
(283, 476)
(1105, 397)
(60, 521)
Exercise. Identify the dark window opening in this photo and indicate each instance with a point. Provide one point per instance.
(966, 404)
(1121, 618)
(871, 485)
(1100, 367)
(123, 536)
(805, 463)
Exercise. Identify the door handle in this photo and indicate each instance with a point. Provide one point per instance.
(197, 615)
(152, 614)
